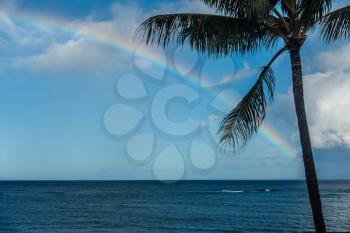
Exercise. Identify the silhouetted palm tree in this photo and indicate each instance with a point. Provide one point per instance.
(244, 26)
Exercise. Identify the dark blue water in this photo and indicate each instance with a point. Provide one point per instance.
(215, 206)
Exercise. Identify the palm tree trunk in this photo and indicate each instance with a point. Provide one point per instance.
(310, 171)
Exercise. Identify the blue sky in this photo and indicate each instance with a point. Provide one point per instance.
(75, 106)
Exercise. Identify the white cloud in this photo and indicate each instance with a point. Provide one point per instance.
(327, 99)
(76, 56)
(90, 49)
(245, 72)
(87, 49)
(184, 6)
(18, 34)
(337, 59)
(125, 19)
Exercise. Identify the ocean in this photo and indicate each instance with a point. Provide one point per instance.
(152, 206)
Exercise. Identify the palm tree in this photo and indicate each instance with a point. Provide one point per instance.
(244, 26)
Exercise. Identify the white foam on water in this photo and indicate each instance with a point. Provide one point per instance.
(232, 191)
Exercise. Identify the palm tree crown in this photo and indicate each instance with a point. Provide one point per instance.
(244, 26)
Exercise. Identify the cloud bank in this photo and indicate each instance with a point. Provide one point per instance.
(327, 99)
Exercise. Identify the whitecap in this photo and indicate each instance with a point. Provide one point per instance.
(232, 191)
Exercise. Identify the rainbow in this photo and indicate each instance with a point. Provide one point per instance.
(270, 134)
(128, 45)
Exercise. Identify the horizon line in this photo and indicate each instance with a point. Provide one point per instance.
(155, 180)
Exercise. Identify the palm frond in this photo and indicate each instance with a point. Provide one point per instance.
(336, 25)
(289, 7)
(217, 35)
(244, 120)
(311, 11)
(251, 9)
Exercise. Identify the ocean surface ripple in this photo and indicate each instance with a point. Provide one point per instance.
(187, 206)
